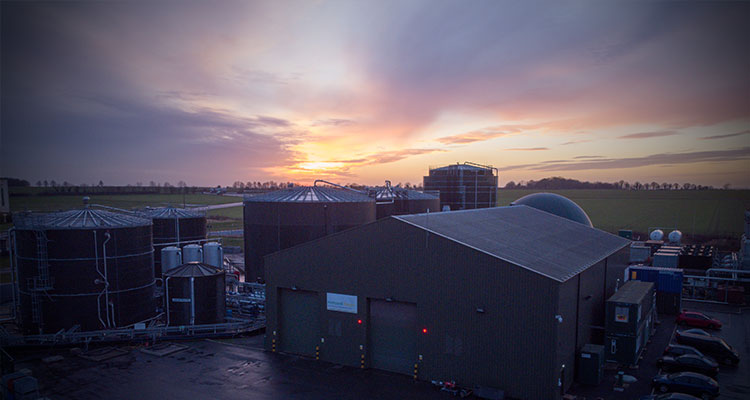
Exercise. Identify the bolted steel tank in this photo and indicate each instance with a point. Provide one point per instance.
(87, 267)
(400, 201)
(285, 218)
(195, 293)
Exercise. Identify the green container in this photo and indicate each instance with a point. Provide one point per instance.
(591, 365)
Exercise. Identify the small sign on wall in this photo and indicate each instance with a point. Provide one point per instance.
(341, 302)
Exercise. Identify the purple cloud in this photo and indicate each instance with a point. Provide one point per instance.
(745, 132)
(647, 135)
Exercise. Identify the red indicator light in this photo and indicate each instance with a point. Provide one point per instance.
(359, 321)
(424, 330)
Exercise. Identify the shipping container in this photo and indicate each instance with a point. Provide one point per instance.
(627, 308)
(667, 280)
(626, 233)
(639, 253)
(668, 303)
(629, 321)
(666, 260)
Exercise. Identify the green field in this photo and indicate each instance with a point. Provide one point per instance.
(126, 201)
(704, 212)
(698, 212)
(221, 219)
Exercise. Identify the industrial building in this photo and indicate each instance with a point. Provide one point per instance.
(500, 297)
(83, 269)
(463, 186)
(288, 217)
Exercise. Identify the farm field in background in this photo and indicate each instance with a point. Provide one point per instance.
(705, 212)
(126, 201)
(221, 219)
(699, 212)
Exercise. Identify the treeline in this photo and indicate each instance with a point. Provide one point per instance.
(15, 182)
(272, 185)
(560, 183)
(260, 185)
(53, 188)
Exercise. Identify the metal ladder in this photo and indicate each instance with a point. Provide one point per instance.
(40, 283)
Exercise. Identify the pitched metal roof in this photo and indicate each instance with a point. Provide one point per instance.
(77, 219)
(171, 212)
(310, 194)
(552, 246)
(193, 269)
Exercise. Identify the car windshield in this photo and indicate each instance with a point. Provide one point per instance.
(725, 344)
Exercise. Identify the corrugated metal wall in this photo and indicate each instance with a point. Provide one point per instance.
(448, 282)
(511, 343)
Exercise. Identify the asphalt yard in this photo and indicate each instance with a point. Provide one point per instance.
(734, 382)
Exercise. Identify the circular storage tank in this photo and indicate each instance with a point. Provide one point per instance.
(171, 257)
(555, 204)
(62, 260)
(174, 225)
(285, 218)
(675, 237)
(657, 234)
(195, 294)
(192, 253)
(405, 201)
(213, 254)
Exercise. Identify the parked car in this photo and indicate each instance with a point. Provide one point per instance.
(677, 350)
(698, 320)
(687, 382)
(697, 331)
(669, 396)
(689, 362)
(714, 346)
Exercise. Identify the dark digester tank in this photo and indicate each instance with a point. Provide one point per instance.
(285, 218)
(464, 186)
(174, 225)
(86, 267)
(196, 294)
(404, 201)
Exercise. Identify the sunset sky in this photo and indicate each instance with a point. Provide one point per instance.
(363, 91)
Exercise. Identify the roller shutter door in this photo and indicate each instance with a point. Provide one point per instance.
(298, 322)
(393, 336)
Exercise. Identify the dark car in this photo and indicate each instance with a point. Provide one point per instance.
(687, 382)
(669, 396)
(697, 331)
(689, 362)
(676, 350)
(698, 320)
(714, 346)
